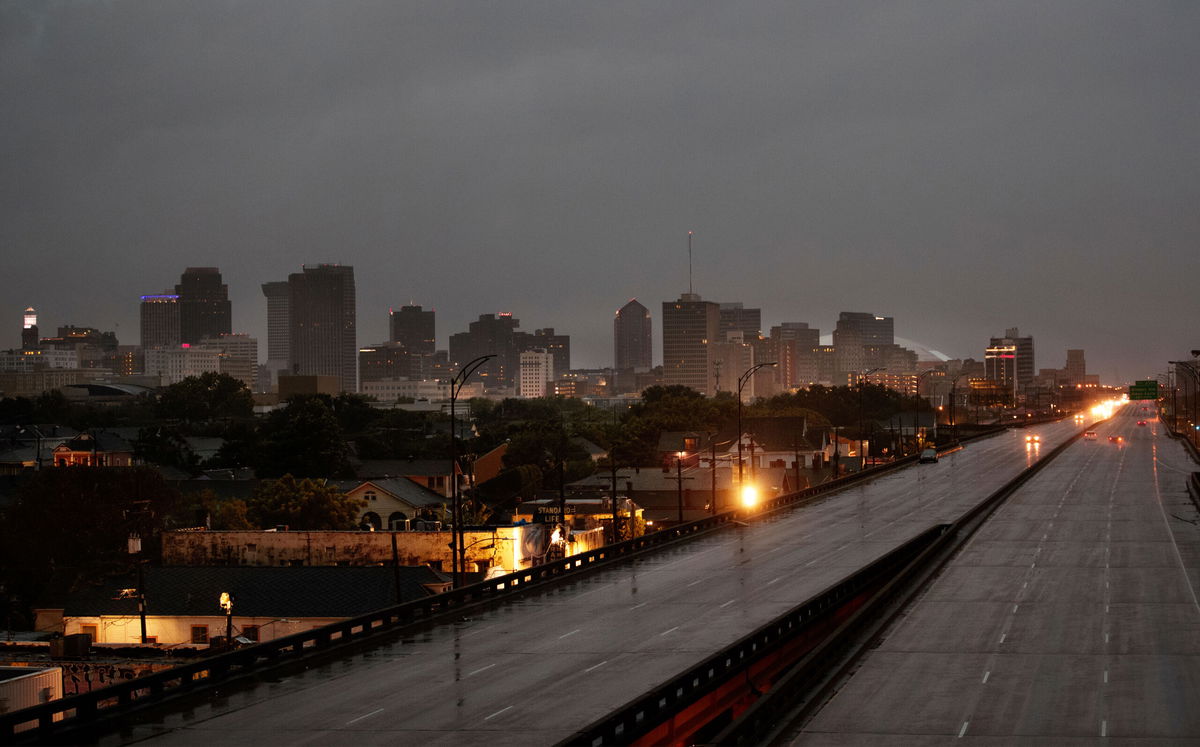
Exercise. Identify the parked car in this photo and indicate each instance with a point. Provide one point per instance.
(928, 456)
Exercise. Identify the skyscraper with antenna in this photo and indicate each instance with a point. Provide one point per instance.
(688, 325)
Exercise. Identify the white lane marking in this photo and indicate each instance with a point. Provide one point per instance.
(1104, 728)
(1106, 676)
(985, 677)
(482, 669)
(731, 601)
(1106, 637)
(497, 713)
(697, 581)
(672, 630)
(365, 715)
(564, 635)
(776, 548)
(643, 604)
(1003, 636)
(774, 580)
(596, 666)
(1015, 606)
(963, 730)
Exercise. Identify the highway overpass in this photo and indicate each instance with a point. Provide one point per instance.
(536, 669)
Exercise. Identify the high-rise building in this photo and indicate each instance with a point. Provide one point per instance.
(29, 330)
(688, 325)
(389, 361)
(536, 373)
(491, 334)
(204, 308)
(558, 346)
(633, 337)
(322, 334)
(1076, 367)
(791, 346)
(238, 356)
(1008, 361)
(737, 318)
(278, 295)
(160, 321)
(854, 332)
(413, 327)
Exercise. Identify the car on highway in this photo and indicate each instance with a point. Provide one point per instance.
(1089, 435)
(1116, 439)
(1141, 422)
(928, 456)
(1033, 438)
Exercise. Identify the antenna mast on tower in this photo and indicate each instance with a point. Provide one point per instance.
(689, 262)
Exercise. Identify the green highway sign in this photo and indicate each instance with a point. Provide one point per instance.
(1144, 390)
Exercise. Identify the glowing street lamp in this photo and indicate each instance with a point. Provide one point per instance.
(227, 605)
(749, 496)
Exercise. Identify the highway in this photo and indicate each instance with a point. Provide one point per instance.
(536, 669)
(1071, 617)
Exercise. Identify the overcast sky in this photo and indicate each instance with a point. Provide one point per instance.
(962, 166)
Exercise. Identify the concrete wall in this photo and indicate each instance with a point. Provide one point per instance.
(177, 631)
(499, 548)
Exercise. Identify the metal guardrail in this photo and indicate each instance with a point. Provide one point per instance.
(77, 711)
(643, 714)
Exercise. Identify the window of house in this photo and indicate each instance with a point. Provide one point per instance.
(251, 632)
(92, 630)
(370, 495)
(200, 634)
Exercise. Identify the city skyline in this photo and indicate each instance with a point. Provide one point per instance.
(962, 169)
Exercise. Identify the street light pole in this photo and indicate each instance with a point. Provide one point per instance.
(457, 551)
(953, 390)
(917, 405)
(862, 462)
(741, 383)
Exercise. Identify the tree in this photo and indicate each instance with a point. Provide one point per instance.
(303, 439)
(302, 504)
(209, 396)
(77, 519)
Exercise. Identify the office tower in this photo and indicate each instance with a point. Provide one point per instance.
(413, 327)
(736, 318)
(633, 338)
(854, 333)
(536, 373)
(322, 337)
(278, 298)
(792, 346)
(491, 334)
(160, 321)
(1008, 360)
(688, 325)
(870, 329)
(728, 359)
(238, 356)
(29, 330)
(386, 362)
(204, 308)
(1076, 368)
(558, 346)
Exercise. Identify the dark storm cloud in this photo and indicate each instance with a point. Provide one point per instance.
(964, 167)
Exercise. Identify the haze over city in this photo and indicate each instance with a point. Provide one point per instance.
(961, 168)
